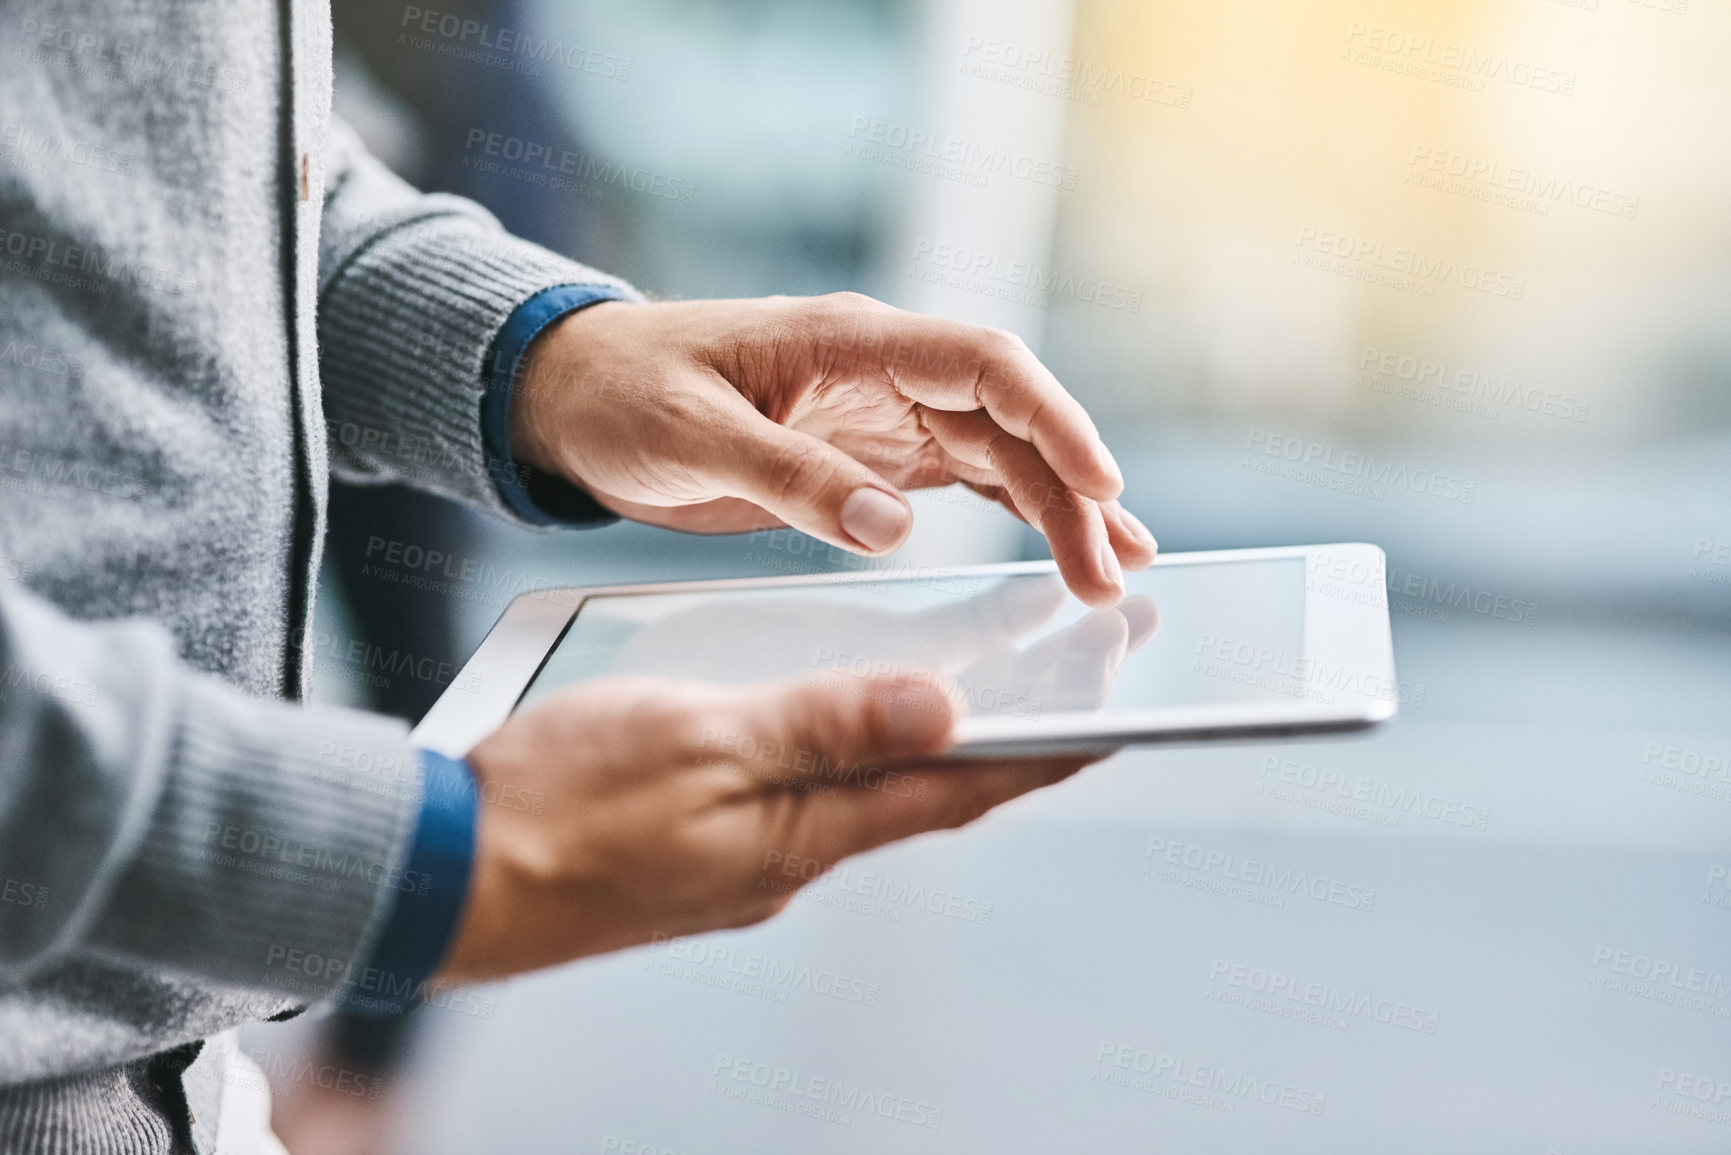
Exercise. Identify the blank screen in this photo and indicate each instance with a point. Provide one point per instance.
(1017, 646)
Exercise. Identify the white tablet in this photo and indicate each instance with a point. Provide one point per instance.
(1228, 644)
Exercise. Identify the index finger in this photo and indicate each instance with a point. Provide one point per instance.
(955, 366)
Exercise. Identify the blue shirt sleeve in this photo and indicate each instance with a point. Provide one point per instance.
(430, 893)
(536, 496)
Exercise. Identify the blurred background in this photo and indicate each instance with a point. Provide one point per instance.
(1485, 246)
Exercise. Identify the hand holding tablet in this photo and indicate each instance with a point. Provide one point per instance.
(668, 803)
(687, 738)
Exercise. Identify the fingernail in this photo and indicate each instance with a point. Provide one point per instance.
(1109, 562)
(1135, 526)
(874, 518)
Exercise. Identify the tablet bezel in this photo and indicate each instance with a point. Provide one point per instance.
(1352, 627)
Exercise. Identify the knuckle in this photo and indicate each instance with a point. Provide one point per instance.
(999, 349)
(1003, 358)
(863, 726)
(800, 469)
(820, 723)
(1001, 451)
(637, 704)
(847, 302)
(834, 311)
(1036, 412)
(989, 380)
(692, 728)
(694, 733)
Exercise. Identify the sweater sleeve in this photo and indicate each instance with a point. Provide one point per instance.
(413, 290)
(153, 814)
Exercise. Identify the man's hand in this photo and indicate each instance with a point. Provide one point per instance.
(725, 416)
(668, 804)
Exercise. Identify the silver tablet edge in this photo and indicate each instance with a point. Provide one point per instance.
(491, 683)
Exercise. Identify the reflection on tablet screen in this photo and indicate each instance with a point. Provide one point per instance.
(1017, 645)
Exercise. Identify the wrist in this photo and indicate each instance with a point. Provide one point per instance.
(552, 368)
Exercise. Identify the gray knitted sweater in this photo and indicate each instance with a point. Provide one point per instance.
(209, 298)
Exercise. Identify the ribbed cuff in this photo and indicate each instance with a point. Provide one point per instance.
(540, 499)
(276, 847)
(429, 903)
(404, 331)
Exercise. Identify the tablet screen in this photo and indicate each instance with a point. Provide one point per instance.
(1016, 646)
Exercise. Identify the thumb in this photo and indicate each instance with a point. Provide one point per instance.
(832, 722)
(809, 484)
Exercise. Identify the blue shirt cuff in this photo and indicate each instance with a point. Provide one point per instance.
(430, 894)
(537, 497)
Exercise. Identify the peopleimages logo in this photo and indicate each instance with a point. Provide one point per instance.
(460, 33)
(774, 973)
(1275, 881)
(45, 683)
(543, 164)
(1688, 1086)
(1545, 188)
(1116, 1063)
(878, 891)
(98, 54)
(269, 846)
(1336, 1003)
(801, 1093)
(1301, 670)
(1453, 65)
(1705, 774)
(26, 144)
(54, 260)
(1370, 792)
(1392, 371)
(41, 359)
(1019, 281)
(1361, 473)
(1397, 266)
(1066, 77)
(368, 988)
(30, 894)
(976, 696)
(1710, 562)
(952, 157)
(1661, 980)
